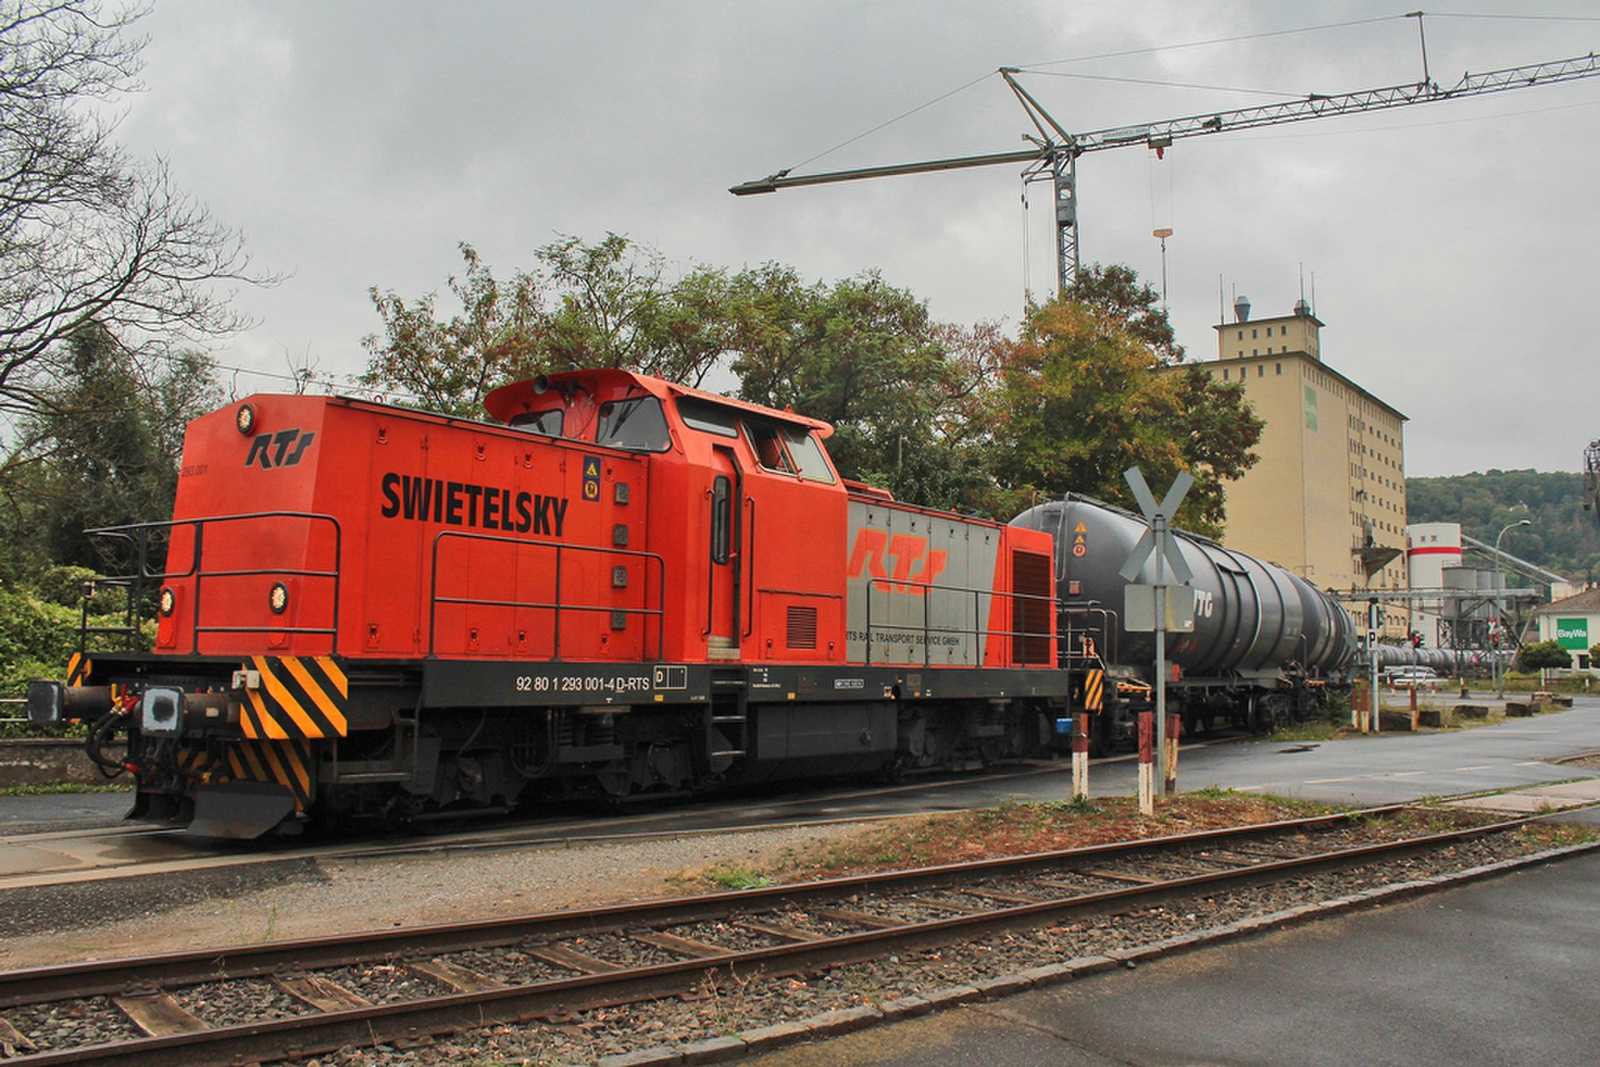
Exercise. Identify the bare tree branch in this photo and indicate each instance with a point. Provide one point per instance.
(86, 233)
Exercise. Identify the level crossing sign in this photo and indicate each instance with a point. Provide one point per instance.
(1158, 535)
(1157, 540)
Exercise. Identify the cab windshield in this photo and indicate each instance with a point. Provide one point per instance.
(637, 424)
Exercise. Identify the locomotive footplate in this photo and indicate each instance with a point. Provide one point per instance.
(476, 683)
(487, 684)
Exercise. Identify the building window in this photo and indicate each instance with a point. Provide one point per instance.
(1253, 335)
(1224, 373)
(1261, 370)
(1255, 351)
(1241, 335)
(1280, 368)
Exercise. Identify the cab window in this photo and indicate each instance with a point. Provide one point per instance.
(806, 455)
(788, 450)
(636, 423)
(542, 422)
(708, 418)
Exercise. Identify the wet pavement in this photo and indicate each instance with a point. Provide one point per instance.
(1498, 972)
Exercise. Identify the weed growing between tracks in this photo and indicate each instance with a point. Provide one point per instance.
(1008, 830)
(1016, 828)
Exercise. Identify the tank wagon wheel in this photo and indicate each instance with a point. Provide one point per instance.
(894, 770)
(1262, 714)
(1099, 735)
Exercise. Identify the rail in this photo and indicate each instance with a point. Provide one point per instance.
(1021, 641)
(555, 604)
(141, 579)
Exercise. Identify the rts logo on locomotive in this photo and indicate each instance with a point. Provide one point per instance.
(262, 451)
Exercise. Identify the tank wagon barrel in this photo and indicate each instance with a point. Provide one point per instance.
(1264, 641)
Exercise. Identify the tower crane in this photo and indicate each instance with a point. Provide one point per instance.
(1053, 155)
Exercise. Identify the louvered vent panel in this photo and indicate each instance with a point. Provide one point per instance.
(802, 627)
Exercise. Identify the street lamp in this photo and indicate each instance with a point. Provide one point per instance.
(1499, 605)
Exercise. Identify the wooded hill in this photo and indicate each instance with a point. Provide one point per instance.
(1563, 538)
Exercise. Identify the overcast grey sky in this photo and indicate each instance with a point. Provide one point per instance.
(1452, 244)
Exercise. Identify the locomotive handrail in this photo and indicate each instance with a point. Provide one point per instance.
(1107, 631)
(555, 606)
(749, 571)
(137, 537)
(976, 631)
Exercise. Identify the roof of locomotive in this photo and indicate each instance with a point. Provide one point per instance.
(509, 401)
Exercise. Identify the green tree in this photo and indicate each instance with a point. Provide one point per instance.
(449, 366)
(104, 446)
(1090, 389)
(1115, 290)
(1543, 656)
(1562, 538)
(869, 359)
(608, 304)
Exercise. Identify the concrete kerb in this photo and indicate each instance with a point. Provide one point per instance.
(845, 1020)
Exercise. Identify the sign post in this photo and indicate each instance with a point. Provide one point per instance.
(1157, 539)
(1372, 659)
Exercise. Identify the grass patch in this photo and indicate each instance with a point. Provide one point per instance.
(736, 878)
(49, 788)
(1010, 829)
(1320, 730)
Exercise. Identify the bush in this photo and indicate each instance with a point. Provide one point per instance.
(39, 631)
(1544, 655)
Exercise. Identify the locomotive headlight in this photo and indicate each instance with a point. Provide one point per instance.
(245, 419)
(278, 599)
(168, 601)
(161, 712)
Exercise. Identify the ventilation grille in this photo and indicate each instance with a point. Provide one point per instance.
(1031, 579)
(802, 627)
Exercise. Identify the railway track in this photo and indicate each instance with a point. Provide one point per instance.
(288, 1000)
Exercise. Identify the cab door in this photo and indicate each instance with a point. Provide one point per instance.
(724, 560)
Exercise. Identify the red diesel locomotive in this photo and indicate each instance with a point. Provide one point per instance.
(621, 586)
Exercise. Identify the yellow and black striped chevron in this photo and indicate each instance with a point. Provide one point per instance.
(1094, 688)
(197, 763)
(299, 696)
(78, 668)
(290, 763)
